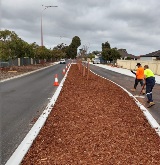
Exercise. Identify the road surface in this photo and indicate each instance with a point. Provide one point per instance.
(22, 101)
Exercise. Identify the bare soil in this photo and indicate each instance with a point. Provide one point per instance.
(94, 122)
(8, 72)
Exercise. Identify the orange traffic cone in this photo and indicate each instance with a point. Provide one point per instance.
(66, 68)
(56, 81)
(63, 71)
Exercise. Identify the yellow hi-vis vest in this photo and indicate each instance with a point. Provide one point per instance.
(148, 73)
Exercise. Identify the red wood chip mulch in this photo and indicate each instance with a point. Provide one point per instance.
(94, 122)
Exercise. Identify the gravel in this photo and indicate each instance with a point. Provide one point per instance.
(94, 122)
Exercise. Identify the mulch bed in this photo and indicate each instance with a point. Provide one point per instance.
(94, 122)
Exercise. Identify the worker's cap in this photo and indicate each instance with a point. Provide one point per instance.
(138, 64)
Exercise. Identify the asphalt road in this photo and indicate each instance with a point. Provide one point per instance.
(22, 101)
(127, 82)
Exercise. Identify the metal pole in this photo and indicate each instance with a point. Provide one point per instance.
(88, 70)
(46, 7)
(41, 32)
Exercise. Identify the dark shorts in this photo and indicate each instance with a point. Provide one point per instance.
(138, 81)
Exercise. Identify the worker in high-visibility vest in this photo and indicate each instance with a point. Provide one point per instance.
(139, 77)
(150, 82)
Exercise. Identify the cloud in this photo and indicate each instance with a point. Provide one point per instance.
(132, 25)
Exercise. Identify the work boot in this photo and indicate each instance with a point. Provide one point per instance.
(133, 90)
(143, 91)
(151, 104)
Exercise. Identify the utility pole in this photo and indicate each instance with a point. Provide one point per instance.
(45, 7)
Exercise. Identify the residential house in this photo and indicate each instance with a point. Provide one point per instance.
(151, 56)
(126, 56)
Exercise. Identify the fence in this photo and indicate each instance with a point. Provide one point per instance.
(22, 62)
(131, 64)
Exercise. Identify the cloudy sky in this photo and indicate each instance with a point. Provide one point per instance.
(129, 24)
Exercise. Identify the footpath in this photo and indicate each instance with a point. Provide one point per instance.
(124, 71)
(95, 125)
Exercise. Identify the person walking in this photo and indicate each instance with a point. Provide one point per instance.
(139, 77)
(149, 82)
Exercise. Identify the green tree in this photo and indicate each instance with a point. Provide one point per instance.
(58, 54)
(96, 52)
(91, 55)
(42, 53)
(76, 41)
(71, 51)
(5, 35)
(3, 54)
(115, 54)
(34, 48)
(62, 50)
(12, 46)
(5, 44)
(105, 46)
(108, 53)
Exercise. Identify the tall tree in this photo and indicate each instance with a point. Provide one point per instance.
(108, 53)
(7, 39)
(72, 48)
(105, 46)
(12, 46)
(76, 41)
(57, 54)
(62, 50)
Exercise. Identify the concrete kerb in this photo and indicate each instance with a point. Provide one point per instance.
(146, 113)
(24, 74)
(23, 148)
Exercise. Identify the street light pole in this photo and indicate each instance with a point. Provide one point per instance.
(46, 7)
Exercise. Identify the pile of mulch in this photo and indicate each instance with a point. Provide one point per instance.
(8, 72)
(94, 122)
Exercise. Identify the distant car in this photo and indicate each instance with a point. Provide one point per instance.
(62, 61)
(96, 61)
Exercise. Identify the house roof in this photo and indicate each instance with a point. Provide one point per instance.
(153, 54)
(123, 53)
